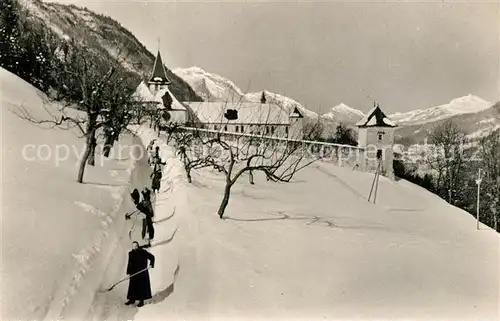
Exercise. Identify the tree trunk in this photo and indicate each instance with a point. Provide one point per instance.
(108, 144)
(83, 161)
(188, 173)
(225, 200)
(93, 144)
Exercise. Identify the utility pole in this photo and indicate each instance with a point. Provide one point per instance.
(478, 182)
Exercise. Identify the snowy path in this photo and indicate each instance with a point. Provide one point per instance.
(110, 305)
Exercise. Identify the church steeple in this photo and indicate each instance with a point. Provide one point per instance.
(159, 75)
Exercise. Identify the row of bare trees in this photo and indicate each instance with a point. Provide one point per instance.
(455, 160)
(278, 160)
(319, 130)
(94, 97)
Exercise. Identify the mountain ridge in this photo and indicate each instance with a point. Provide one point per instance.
(106, 37)
(413, 126)
(468, 104)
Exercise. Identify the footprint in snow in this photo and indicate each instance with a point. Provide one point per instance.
(90, 208)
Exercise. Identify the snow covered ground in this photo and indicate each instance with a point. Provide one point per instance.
(315, 249)
(53, 229)
(310, 249)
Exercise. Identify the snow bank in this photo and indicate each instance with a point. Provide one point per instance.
(75, 299)
(172, 226)
(170, 229)
(53, 228)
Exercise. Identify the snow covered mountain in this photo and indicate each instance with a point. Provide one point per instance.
(414, 126)
(473, 124)
(212, 87)
(344, 114)
(463, 105)
(107, 38)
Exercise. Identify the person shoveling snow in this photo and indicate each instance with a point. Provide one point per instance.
(145, 212)
(139, 288)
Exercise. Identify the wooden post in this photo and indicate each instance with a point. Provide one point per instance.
(478, 182)
(375, 184)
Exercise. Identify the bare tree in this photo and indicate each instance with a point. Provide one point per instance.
(447, 159)
(489, 152)
(187, 143)
(278, 159)
(314, 130)
(344, 135)
(98, 90)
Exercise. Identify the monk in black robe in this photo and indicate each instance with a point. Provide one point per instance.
(146, 208)
(139, 288)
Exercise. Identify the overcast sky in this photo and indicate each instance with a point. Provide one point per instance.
(404, 55)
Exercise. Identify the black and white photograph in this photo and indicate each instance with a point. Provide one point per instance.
(200, 160)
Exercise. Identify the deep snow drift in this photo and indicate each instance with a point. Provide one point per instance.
(53, 229)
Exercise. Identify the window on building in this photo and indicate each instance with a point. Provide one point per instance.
(379, 154)
(242, 129)
(286, 131)
(380, 135)
(237, 129)
(272, 130)
(216, 127)
(225, 128)
(267, 130)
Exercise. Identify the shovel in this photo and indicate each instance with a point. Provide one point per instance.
(124, 279)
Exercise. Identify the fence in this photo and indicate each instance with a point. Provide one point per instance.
(342, 155)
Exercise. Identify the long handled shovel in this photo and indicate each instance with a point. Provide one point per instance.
(132, 228)
(124, 279)
(128, 215)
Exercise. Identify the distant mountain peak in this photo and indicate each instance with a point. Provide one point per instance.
(462, 105)
(213, 87)
(344, 108)
(343, 114)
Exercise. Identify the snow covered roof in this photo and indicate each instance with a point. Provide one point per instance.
(296, 113)
(145, 95)
(159, 74)
(247, 113)
(375, 118)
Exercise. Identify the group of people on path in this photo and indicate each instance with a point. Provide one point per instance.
(155, 161)
(139, 284)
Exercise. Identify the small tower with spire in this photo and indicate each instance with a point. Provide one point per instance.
(263, 98)
(158, 79)
(376, 135)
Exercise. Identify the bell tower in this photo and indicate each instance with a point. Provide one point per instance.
(376, 136)
(158, 79)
